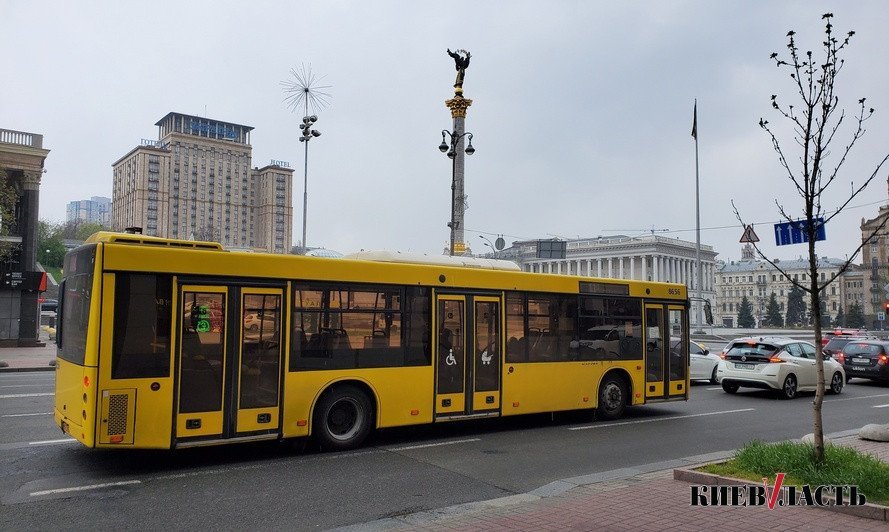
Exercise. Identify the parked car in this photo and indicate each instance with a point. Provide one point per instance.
(868, 359)
(828, 335)
(49, 305)
(702, 362)
(253, 321)
(836, 344)
(774, 363)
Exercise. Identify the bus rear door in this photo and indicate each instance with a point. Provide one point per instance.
(666, 352)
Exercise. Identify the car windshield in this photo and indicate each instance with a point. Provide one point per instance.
(837, 342)
(855, 348)
(752, 349)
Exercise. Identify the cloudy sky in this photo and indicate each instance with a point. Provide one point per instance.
(582, 110)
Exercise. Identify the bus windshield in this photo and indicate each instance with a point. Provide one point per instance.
(75, 302)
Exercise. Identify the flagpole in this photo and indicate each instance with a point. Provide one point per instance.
(698, 221)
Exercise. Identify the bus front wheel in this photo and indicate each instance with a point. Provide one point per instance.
(343, 418)
(612, 398)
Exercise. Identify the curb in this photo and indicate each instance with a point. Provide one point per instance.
(19, 370)
(868, 511)
(4, 367)
(552, 489)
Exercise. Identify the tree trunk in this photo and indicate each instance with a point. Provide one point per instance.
(819, 357)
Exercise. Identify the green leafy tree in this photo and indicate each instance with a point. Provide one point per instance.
(773, 313)
(841, 317)
(796, 307)
(9, 197)
(745, 314)
(79, 229)
(50, 250)
(855, 319)
(825, 317)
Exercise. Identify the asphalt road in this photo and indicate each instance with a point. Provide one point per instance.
(49, 482)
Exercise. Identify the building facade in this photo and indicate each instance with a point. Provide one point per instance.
(757, 280)
(95, 210)
(649, 257)
(197, 182)
(852, 288)
(875, 262)
(22, 159)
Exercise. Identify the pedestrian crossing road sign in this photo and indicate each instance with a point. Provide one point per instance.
(749, 236)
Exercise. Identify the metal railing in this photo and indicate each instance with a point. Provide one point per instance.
(8, 136)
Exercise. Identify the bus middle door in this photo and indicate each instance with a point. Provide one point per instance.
(469, 356)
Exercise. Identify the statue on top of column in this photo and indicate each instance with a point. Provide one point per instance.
(461, 63)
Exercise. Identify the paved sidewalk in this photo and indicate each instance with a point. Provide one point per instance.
(29, 358)
(643, 502)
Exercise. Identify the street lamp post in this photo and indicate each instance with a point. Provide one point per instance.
(308, 134)
(451, 151)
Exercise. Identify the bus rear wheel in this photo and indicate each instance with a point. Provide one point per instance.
(342, 418)
(612, 398)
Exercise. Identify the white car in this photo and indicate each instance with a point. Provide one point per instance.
(782, 364)
(703, 363)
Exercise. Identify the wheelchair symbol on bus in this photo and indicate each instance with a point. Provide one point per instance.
(451, 360)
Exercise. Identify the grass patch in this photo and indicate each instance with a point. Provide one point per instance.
(56, 272)
(842, 465)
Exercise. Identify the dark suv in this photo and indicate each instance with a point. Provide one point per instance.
(836, 344)
(867, 359)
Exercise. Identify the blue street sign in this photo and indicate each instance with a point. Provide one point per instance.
(797, 232)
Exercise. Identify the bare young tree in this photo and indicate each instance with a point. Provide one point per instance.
(816, 119)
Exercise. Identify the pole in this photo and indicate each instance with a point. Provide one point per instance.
(453, 193)
(305, 181)
(698, 225)
(305, 194)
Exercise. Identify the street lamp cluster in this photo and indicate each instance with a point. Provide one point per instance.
(451, 151)
(308, 134)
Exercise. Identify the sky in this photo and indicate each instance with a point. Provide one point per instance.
(581, 113)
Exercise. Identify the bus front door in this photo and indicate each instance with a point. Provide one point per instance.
(229, 362)
(468, 359)
(202, 360)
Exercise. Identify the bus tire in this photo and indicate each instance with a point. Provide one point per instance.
(612, 398)
(342, 418)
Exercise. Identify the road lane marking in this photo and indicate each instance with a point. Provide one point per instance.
(24, 415)
(84, 488)
(51, 442)
(881, 406)
(661, 419)
(16, 395)
(717, 388)
(24, 385)
(424, 446)
(831, 399)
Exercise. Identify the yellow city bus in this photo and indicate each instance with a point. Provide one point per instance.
(170, 344)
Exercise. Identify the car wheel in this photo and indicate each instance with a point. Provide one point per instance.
(612, 398)
(713, 376)
(728, 387)
(342, 418)
(836, 383)
(788, 389)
